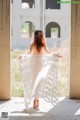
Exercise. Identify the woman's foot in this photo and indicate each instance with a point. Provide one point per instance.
(36, 103)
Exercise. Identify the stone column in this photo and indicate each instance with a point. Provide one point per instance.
(4, 49)
(75, 52)
(16, 24)
(42, 15)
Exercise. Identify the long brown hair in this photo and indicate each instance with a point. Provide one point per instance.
(38, 41)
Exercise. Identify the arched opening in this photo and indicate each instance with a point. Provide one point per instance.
(28, 4)
(53, 30)
(52, 4)
(27, 30)
(25, 5)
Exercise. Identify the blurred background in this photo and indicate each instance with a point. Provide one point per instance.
(54, 19)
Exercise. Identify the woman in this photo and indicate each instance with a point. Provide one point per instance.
(37, 47)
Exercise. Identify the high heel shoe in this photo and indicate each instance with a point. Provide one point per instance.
(35, 103)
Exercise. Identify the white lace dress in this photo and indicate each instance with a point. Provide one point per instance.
(39, 75)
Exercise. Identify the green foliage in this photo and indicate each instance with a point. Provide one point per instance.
(17, 91)
(16, 83)
(25, 27)
(54, 29)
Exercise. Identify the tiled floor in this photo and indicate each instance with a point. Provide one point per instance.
(66, 109)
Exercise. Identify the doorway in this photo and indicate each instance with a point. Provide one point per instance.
(57, 40)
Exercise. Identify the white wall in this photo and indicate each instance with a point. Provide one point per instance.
(19, 16)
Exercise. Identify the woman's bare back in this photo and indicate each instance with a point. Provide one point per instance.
(43, 51)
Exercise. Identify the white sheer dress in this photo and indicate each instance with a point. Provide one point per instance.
(39, 75)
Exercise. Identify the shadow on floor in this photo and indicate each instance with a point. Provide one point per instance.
(66, 109)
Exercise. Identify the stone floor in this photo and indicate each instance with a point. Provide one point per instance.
(66, 109)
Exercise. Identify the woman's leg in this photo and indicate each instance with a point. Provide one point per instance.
(35, 103)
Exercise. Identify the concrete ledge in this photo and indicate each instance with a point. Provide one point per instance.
(66, 109)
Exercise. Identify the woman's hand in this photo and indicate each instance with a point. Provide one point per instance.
(58, 55)
(20, 57)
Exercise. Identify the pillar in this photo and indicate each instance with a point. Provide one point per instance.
(4, 49)
(75, 52)
(42, 15)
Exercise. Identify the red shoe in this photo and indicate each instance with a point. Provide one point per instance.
(35, 103)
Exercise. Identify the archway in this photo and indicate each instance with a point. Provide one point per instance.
(27, 30)
(28, 4)
(53, 30)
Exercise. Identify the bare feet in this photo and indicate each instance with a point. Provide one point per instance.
(35, 103)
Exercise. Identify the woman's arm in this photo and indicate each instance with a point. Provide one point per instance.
(51, 52)
(28, 52)
(47, 50)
